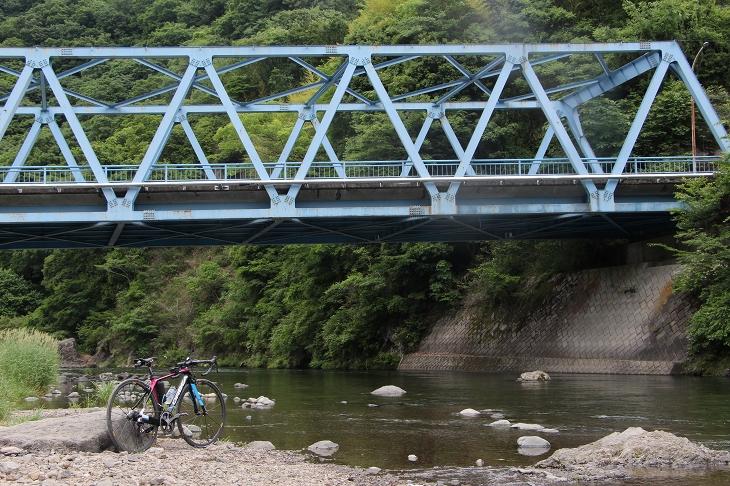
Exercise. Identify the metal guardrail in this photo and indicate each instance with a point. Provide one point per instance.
(288, 171)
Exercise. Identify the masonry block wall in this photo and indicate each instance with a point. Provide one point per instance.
(612, 320)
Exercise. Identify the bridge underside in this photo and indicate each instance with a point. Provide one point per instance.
(331, 230)
(238, 215)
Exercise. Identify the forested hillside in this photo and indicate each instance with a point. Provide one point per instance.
(332, 306)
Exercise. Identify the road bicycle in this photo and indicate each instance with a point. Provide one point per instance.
(137, 409)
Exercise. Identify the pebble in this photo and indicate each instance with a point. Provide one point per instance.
(223, 463)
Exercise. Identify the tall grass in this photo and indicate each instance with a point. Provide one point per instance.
(29, 363)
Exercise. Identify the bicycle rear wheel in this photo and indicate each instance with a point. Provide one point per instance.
(201, 419)
(132, 416)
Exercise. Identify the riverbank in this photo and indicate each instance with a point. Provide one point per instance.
(173, 462)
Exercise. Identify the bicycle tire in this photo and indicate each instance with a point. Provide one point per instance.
(129, 400)
(199, 425)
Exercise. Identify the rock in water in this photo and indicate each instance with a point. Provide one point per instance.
(500, 423)
(534, 376)
(468, 412)
(533, 442)
(616, 454)
(324, 448)
(388, 391)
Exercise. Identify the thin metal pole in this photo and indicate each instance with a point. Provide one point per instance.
(692, 104)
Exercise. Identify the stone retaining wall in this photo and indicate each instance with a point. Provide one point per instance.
(612, 320)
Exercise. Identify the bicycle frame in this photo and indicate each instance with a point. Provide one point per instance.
(146, 406)
(187, 376)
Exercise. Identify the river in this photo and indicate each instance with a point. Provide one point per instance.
(382, 432)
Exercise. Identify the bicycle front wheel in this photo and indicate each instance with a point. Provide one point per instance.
(202, 414)
(132, 416)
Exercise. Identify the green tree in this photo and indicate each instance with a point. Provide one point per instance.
(702, 225)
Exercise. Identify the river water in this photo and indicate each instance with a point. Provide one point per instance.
(382, 432)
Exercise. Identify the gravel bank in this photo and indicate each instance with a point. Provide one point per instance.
(173, 462)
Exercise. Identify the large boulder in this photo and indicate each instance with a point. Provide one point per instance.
(69, 351)
(85, 432)
(389, 391)
(617, 454)
(534, 376)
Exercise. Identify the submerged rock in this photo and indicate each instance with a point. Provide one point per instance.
(324, 448)
(389, 391)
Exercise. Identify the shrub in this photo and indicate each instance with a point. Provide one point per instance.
(29, 360)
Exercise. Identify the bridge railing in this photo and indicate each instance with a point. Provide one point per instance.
(403, 169)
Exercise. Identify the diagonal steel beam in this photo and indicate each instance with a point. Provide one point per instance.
(474, 228)
(419, 143)
(332, 231)
(542, 150)
(78, 131)
(638, 123)
(162, 134)
(400, 129)
(22, 155)
(468, 155)
(473, 79)
(197, 148)
(421, 222)
(241, 130)
(556, 124)
(16, 96)
(65, 150)
(320, 133)
(261, 232)
(288, 147)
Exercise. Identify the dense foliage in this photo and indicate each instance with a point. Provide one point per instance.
(339, 306)
(703, 226)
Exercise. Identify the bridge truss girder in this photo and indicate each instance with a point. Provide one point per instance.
(287, 200)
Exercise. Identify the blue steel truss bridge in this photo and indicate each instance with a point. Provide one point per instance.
(308, 191)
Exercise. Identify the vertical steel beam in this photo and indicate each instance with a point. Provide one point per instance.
(78, 131)
(476, 137)
(240, 129)
(16, 96)
(24, 151)
(196, 147)
(400, 128)
(321, 131)
(638, 123)
(557, 125)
